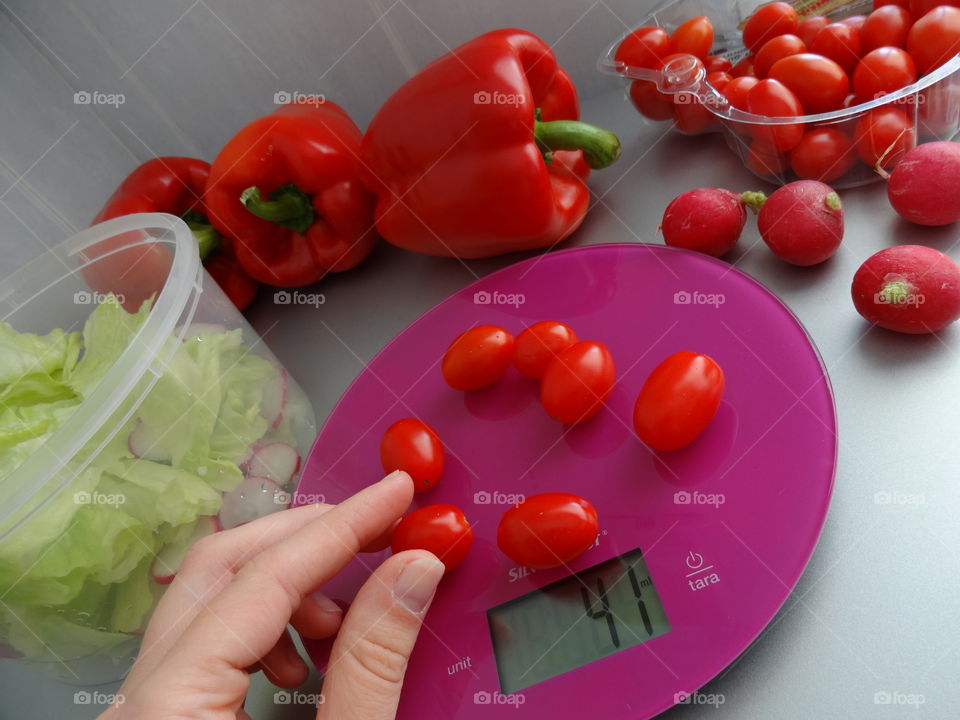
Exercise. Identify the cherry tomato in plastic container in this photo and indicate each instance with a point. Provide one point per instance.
(818, 82)
(776, 49)
(414, 447)
(769, 21)
(809, 28)
(690, 115)
(650, 102)
(717, 63)
(934, 38)
(772, 98)
(678, 401)
(577, 382)
(695, 36)
(744, 68)
(766, 162)
(883, 71)
(645, 47)
(919, 8)
(539, 344)
(840, 43)
(883, 135)
(824, 154)
(886, 27)
(441, 529)
(547, 530)
(478, 357)
(736, 90)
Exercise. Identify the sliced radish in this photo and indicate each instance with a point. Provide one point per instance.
(251, 499)
(276, 461)
(144, 444)
(171, 555)
(273, 401)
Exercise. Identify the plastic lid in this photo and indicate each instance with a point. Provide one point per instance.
(36, 299)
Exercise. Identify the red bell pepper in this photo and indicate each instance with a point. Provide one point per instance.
(481, 153)
(172, 185)
(286, 189)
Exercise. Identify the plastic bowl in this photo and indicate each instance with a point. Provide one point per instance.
(126, 440)
(931, 105)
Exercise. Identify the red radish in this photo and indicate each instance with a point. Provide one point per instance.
(145, 444)
(802, 222)
(908, 288)
(273, 400)
(708, 220)
(924, 187)
(276, 461)
(253, 498)
(170, 558)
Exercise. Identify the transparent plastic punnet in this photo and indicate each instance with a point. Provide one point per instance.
(931, 105)
(138, 413)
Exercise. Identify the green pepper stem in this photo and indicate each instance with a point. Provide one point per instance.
(287, 206)
(208, 240)
(601, 148)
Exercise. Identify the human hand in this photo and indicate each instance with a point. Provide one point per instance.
(226, 614)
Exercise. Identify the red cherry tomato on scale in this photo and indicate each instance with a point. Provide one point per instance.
(883, 136)
(478, 357)
(717, 63)
(440, 529)
(934, 39)
(678, 401)
(577, 382)
(840, 43)
(769, 21)
(882, 71)
(808, 29)
(824, 154)
(414, 447)
(694, 37)
(539, 344)
(547, 530)
(645, 47)
(776, 49)
(818, 82)
(772, 98)
(886, 27)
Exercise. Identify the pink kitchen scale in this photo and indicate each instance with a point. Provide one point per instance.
(698, 548)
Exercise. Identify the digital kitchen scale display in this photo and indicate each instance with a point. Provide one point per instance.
(698, 548)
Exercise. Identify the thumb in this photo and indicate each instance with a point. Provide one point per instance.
(370, 654)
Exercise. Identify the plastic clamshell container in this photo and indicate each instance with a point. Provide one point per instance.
(931, 105)
(148, 432)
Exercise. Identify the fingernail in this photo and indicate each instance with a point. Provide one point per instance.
(416, 584)
(325, 603)
(293, 656)
(395, 475)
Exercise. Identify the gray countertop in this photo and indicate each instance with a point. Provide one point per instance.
(870, 630)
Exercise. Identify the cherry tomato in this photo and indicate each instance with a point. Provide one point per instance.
(818, 82)
(840, 43)
(695, 37)
(643, 48)
(824, 154)
(883, 136)
(678, 401)
(414, 447)
(690, 116)
(772, 98)
(547, 530)
(776, 18)
(440, 529)
(577, 382)
(886, 27)
(849, 101)
(766, 162)
(919, 8)
(737, 89)
(882, 71)
(905, 4)
(935, 38)
(650, 102)
(717, 63)
(744, 68)
(809, 28)
(776, 49)
(719, 80)
(540, 343)
(855, 21)
(478, 357)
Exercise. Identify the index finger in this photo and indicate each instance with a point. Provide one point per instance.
(245, 620)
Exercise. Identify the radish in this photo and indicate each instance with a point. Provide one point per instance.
(276, 461)
(708, 220)
(253, 498)
(168, 560)
(273, 399)
(924, 187)
(908, 288)
(144, 444)
(802, 223)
